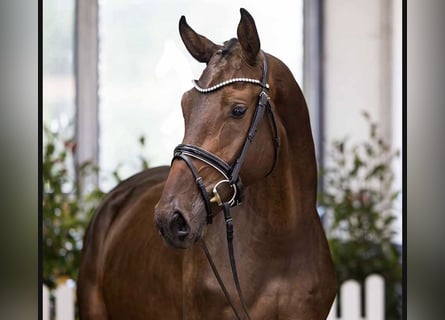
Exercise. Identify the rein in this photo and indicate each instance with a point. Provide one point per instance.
(231, 174)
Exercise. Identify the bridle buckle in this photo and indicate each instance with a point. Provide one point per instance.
(216, 198)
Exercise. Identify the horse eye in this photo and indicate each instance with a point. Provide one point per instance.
(238, 111)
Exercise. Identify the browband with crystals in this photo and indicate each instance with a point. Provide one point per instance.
(227, 82)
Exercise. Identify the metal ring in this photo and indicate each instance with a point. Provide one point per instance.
(217, 198)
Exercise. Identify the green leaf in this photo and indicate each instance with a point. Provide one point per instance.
(358, 163)
(142, 140)
(144, 163)
(395, 195)
(49, 150)
(377, 170)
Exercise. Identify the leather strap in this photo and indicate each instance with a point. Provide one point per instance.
(219, 279)
(258, 116)
(200, 184)
(229, 236)
(204, 155)
(229, 232)
(276, 137)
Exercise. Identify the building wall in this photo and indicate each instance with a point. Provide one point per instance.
(357, 65)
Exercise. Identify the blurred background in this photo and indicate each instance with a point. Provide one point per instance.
(113, 75)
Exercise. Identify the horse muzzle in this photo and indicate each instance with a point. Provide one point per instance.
(175, 227)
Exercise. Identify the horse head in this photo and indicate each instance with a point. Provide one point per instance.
(218, 115)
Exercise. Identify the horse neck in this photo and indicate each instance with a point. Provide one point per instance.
(284, 203)
(279, 209)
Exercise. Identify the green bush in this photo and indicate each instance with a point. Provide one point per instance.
(358, 199)
(68, 205)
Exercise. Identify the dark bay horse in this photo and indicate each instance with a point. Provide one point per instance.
(134, 265)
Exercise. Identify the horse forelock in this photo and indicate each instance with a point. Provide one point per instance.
(226, 63)
(228, 47)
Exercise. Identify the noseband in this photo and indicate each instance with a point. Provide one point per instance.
(231, 173)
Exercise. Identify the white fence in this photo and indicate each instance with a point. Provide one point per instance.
(61, 304)
(350, 306)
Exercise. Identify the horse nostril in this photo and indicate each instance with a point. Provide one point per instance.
(159, 226)
(179, 226)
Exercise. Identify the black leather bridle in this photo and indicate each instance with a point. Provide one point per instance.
(231, 172)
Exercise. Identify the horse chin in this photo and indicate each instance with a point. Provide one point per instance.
(178, 244)
(186, 243)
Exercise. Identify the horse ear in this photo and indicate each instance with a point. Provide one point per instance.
(199, 46)
(248, 37)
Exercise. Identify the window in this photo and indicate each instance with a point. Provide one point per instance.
(58, 74)
(58, 66)
(144, 68)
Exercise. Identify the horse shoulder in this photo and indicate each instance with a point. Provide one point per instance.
(134, 197)
(309, 286)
